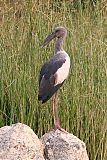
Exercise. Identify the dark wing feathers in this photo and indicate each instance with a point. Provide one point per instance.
(53, 67)
(47, 73)
(52, 90)
(50, 67)
(43, 71)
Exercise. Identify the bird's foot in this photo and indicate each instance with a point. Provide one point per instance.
(59, 128)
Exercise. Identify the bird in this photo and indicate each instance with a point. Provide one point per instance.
(54, 72)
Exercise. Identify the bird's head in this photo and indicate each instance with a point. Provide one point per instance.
(59, 32)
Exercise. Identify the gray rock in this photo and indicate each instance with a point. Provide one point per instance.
(19, 142)
(63, 146)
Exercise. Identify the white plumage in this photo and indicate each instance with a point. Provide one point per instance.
(63, 71)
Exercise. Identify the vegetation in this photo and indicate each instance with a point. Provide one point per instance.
(83, 98)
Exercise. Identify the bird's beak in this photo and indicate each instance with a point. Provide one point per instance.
(48, 39)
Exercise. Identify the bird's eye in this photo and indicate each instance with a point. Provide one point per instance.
(57, 31)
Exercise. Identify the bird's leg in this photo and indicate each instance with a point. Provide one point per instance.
(55, 113)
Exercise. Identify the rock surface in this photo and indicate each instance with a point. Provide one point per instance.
(63, 146)
(19, 142)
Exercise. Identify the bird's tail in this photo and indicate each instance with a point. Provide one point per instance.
(45, 97)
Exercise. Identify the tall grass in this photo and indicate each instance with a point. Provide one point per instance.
(83, 98)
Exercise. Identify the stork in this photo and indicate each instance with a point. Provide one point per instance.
(54, 72)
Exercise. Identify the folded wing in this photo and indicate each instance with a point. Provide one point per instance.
(48, 82)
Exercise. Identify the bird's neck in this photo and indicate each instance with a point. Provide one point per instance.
(59, 45)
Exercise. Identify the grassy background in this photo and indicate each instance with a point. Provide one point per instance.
(83, 98)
